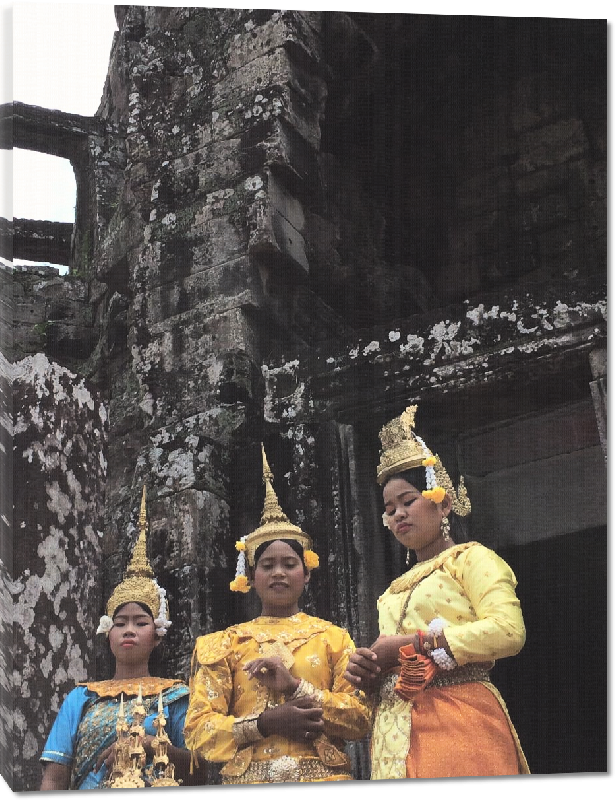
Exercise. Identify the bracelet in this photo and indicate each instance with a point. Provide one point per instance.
(245, 730)
(437, 626)
(305, 689)
(439, 655)
(442, 659)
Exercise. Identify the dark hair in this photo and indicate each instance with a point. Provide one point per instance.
(145, 608)
(156, 656)
(417, 478)
(296, 546)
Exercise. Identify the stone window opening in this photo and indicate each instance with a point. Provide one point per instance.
(45, 197)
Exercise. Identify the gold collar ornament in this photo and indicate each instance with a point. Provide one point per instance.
(403, 449)
(139, 585)
(274, 525)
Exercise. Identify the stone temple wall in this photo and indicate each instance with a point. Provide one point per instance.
(59, 470)
(291, 225)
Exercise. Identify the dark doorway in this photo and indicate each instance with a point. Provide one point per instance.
(556, 688)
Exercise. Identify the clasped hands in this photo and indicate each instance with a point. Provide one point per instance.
(367, 665)
(299, 718)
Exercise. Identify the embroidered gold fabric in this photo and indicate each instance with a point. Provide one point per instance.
(410, 579)
(280, 650)
(222, 692)
(390, 734)
(287, 769)
(305, 689)
(245, 730)
(115, 688)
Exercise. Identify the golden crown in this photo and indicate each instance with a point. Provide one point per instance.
(274, 525)
(402, 449)
(139, 584)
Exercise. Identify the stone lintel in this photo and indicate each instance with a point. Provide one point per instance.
(42, 240)
(516, 337)
(56, 133)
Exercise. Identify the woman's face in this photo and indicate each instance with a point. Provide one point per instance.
(414, 520)
(279, 580)
(133, 635)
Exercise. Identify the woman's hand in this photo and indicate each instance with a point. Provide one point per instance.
(386, 649)
(107, 757)
(272, 673)
(362, 669)
(298, 719)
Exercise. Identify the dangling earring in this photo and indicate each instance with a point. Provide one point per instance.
(445, 528)
(407, 558)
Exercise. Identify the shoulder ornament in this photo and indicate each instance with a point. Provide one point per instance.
(213, 647)
(410, 579)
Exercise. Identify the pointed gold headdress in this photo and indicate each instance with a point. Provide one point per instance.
(274, 525)
(403, 449)
(139, 584)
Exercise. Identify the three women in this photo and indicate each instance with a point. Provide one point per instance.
(276, 698)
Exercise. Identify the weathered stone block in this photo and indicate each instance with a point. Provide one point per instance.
(551, 145)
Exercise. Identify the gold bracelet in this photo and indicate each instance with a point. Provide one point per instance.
(305, 689)
(245, 730)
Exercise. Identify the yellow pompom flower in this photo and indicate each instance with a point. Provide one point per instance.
(241, 546)
(436, 494)
(430, 461)
(240, 584)
(310, 559)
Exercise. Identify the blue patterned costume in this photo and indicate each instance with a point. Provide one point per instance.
(86, 723)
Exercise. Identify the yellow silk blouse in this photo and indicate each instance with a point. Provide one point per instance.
(221, 691)
(472, 589)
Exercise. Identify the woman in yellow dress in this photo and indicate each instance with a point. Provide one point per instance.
(268, 698)
(443, 624)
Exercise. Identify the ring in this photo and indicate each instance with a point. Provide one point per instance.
(263, 669)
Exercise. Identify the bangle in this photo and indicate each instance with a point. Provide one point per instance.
(245, 730)
(442, 659)
(439, 655)
(305, 689)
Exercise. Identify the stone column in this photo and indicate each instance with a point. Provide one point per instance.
(598, 363)
(59, 427)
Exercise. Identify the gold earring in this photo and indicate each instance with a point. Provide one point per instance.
(445, 528)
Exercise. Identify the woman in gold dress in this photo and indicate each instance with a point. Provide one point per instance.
(443, 624)
(268, 698)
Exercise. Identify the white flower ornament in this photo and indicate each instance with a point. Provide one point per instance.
(105, 624)
(162, 626)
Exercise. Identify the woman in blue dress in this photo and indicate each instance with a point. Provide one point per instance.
(79, 752)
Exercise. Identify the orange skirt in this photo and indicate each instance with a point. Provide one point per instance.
(460, 731)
